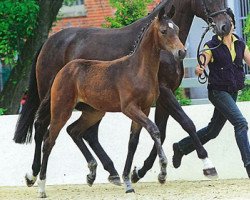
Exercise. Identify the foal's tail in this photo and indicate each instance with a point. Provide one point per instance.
(43, 113)
(25, 121)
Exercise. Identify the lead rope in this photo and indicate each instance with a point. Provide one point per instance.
(203, 77)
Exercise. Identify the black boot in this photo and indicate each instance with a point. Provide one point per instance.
(177, 155)
(248, 170)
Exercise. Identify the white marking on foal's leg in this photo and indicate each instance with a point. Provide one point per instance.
(41, 188)
(207, 163)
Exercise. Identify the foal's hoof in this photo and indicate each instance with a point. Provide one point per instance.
(42, 195)
(134, 176)
(30, 181)
(130, 191)
(211, 173)
(90, 179)
(162, 178)
(115, 180)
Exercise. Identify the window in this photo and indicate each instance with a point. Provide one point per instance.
(73, 8)
(73, 3)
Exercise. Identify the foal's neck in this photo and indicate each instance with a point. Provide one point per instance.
(147, 52)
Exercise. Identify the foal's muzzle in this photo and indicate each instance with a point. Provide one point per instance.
(182, 53)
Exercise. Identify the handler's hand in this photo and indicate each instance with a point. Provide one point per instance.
(199, 70)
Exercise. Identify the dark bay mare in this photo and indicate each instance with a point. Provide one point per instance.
(128, 85)
(108, 44)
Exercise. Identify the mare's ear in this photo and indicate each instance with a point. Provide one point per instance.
(161, 14)
(171, 12)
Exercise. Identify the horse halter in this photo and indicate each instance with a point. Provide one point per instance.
(210, 14)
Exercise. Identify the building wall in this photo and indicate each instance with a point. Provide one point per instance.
(94, 15)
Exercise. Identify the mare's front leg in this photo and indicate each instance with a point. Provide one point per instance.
(134, 113)
(168, 99)
(175, 110)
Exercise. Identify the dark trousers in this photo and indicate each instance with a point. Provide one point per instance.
(225, 109)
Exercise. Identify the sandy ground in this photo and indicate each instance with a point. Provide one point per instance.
(237, 189)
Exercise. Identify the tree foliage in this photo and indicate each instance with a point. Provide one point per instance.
(17, 22)
(127, 11)
(46, 13)
(247, 30)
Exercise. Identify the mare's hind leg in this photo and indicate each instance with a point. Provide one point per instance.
(91, 136)
(40, 131)
(78, 129)
(134, 113)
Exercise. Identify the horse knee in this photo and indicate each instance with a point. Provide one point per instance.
(188, 125)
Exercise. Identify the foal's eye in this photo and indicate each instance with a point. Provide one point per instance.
(164, 31)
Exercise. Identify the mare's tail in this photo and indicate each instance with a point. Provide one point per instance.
(26, 118)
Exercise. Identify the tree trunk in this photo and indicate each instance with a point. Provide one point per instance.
(19, 77)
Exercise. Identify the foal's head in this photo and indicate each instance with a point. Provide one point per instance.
(168, 34)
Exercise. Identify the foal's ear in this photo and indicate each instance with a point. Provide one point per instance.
(170, 13)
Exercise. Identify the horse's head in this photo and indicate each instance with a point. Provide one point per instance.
(215, 13)
(168, 34)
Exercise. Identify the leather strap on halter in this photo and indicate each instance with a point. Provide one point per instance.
(210, 14)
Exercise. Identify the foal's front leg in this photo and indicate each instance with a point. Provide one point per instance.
(134, 113)
(132, 146)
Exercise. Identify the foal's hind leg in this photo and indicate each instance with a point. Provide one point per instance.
(40, 131)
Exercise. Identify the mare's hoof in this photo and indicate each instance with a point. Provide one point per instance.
(134, 176)
(29, 182)
(90, 179)
(211, 173)
(162, 178)
(115, 180)
(130, 191)
(42, 195)
(177, 155)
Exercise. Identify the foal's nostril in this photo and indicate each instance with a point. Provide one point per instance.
(182, 54)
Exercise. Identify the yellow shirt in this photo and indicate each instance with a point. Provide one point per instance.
(232, 50)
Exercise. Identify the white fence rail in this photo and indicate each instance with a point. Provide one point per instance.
(68, 166)
(192, 82)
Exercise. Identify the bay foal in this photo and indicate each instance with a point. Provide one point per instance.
(128, 85)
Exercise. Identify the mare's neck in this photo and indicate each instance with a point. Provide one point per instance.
(183, 18)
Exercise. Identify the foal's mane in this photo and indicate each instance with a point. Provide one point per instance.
(140, 36)
(144, 29)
